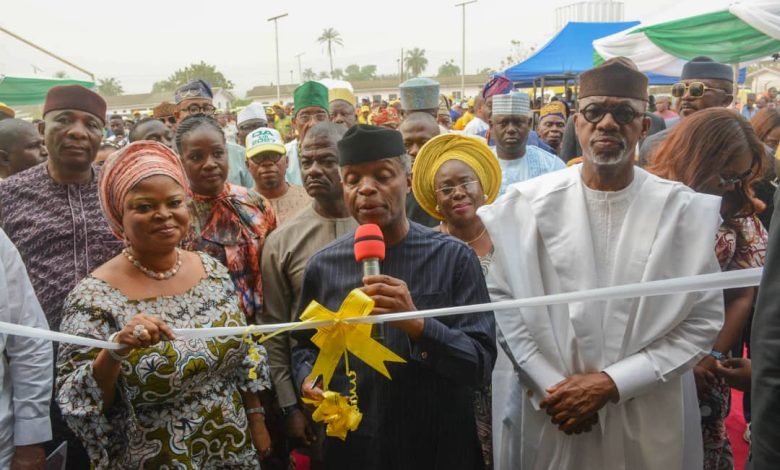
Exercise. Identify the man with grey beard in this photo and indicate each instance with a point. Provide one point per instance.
(589, 374)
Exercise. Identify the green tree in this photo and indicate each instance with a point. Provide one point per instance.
(485, 71)
(109, 87)
(415, 62)
(322, 75)
(308, 75)
(330, 37)
(356, 73)
(449, 69)
(60, 74)
(337, 74)
(200, 70)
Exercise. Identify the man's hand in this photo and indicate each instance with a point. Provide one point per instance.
(736, 371)
(29, 458)
(704, 373)
(572, 402)
(310, 390)
(297, 427)
(391, 295)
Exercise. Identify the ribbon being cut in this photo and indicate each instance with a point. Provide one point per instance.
(349, 331)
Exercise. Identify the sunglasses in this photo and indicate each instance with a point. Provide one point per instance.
(696, 89)
(622, 114)
(734, 180)
(168, 120)
(272, 157)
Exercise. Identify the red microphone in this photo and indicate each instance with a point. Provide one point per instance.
(369, 248)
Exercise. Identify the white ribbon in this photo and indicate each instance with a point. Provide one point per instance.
(702, 282)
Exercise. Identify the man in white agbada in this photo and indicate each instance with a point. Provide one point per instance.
(26, 368)
(604, 384)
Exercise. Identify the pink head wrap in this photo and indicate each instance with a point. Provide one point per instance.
(126, 167)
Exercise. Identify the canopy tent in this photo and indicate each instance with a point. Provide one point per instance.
(738, 32)
(570, 53)
(19, 91)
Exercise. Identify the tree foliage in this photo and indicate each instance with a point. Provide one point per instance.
(200, 70)
(329, 37)
(356, 73)
(449, 69)
(308, 75)
(109, 87)
(415, 62)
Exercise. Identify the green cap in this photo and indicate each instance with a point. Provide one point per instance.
(311, 94)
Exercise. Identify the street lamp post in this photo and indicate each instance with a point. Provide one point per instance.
(276, 43)
(300, 70)
(463, 56)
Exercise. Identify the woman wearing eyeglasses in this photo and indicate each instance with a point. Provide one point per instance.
(228, 222)
(453, 176)
(266, 158)
(715, 151)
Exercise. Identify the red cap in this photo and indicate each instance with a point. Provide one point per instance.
(369, 242)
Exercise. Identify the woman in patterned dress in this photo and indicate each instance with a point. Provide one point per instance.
(228, 222)
(159, 401)
(453, 176)
(716, 151)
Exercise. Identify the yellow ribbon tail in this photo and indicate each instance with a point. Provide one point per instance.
(372, 352)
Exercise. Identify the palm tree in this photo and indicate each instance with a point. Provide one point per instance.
(309, 75)
(330, 37)
(416, 61)
(110, 87)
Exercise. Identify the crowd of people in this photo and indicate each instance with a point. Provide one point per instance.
(187, 219)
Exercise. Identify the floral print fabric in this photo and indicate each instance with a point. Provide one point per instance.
(177, 404)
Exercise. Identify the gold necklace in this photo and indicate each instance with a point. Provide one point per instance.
(484, 229)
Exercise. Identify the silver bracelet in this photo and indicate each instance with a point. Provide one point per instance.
(115, 355)
(259, 410)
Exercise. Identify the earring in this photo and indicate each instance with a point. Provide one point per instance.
(437, 208)
(485, 196)
(127, 242)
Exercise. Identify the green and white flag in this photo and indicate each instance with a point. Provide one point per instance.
(735, 32)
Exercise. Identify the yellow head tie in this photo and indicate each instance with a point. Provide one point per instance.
(473, 151)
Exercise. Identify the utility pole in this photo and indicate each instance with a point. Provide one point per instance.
(300, 69)
(463, 56)
(402, 65)
(276, 43)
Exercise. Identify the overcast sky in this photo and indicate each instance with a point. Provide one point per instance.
(149, 39)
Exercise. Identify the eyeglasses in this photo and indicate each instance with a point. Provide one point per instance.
(252, 126)
(696, 89)
(724, 181)
(206, 109)
(319, 117)
(168, 119)
(467, 186)
(272, 157)
(622, 114)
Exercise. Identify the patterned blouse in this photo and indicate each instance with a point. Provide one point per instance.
(232, 228)
(743, 250)
(177, 404)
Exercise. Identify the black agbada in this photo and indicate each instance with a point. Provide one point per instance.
(424, 417)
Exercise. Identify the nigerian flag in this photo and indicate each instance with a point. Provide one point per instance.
(729, 32)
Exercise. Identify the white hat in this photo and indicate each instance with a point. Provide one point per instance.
(264, 139)
(516, 103)
(253, 111)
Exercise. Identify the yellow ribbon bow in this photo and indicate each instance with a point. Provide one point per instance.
(338, 414)
(335, 340)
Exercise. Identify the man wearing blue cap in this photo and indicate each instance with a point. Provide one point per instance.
(196, 97)
(704, 84)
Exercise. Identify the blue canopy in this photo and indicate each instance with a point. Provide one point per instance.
(571, 52)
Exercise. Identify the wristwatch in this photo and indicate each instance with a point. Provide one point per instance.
(719, 356)
(288, 410)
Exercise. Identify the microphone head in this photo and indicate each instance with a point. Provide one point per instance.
(369, 242)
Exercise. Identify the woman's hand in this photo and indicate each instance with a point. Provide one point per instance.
(260, 437)
(736, 371)
(143, 331)
(704, 373)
